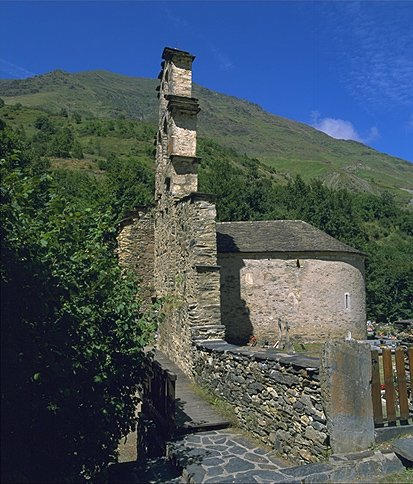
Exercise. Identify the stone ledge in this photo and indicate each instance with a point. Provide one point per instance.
(198, 197)
(183, 103)
(206, 268)
(169, 52)
(307, 362)
(383, 434)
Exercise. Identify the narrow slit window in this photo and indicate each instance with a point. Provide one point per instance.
(167, 184)
(347, 300)
(298, 263)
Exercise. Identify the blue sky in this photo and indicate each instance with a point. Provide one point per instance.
(343, 67)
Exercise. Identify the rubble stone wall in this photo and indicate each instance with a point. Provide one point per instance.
(136, 250)
(275, 396)
(187, 278)
(185, 269)
(319, 295)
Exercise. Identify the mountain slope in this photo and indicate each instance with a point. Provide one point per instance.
(285, 145)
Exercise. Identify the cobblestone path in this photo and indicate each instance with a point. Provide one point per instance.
(224, 456)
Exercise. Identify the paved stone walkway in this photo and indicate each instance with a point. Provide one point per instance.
(206, 450)
(224, 456)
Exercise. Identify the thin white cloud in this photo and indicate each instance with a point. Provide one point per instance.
(409, 124)
(371, 46)
(337, 128)
(342, 129)
(13, 70)
(225, 64)
(372, 135)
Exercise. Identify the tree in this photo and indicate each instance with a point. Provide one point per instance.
(43, 123)
(2, 104)
(63, 112)
(76, 117)
(77, 151)
(72, 330)
(62, 143)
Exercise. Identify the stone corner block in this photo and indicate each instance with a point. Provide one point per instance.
(345, 377)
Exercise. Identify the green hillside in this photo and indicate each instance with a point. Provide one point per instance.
(287, 146)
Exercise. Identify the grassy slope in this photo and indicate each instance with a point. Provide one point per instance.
(285, 145)
(97, 148)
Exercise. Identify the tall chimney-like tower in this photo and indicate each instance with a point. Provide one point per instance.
(186, 275)
(176, 142)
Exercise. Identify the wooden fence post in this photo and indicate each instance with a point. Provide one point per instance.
(402, 384)
(389, 386)
(376, 389)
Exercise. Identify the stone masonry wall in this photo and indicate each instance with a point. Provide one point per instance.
(185, 270)
(319, 295)
(189, 278)
(275, 396)
(136, 250)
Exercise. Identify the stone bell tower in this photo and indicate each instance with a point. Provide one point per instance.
(186, 276)
(176, 144)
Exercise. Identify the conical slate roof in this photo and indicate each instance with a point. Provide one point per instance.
(276, 236)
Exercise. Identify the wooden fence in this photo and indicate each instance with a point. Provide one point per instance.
(160, 397)
(156, 422)
(391, 389)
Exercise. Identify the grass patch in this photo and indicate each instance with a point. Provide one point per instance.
(403, 476)
(309, 349)
(221, 406)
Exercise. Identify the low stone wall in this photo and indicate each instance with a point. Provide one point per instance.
(275, 396)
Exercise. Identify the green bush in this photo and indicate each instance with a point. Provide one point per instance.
(62, 143)
(77, 151)
(72, 330)
(43, 124)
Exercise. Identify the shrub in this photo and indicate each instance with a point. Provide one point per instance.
(72, 330)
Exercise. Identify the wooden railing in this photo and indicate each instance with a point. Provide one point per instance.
(391, 388)
(159, 397)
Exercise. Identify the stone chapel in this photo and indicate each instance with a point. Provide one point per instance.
(230, 280)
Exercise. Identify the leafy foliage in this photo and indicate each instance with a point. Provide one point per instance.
(44, 124)
(72, 330)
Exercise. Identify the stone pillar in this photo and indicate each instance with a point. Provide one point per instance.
(345, 378)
